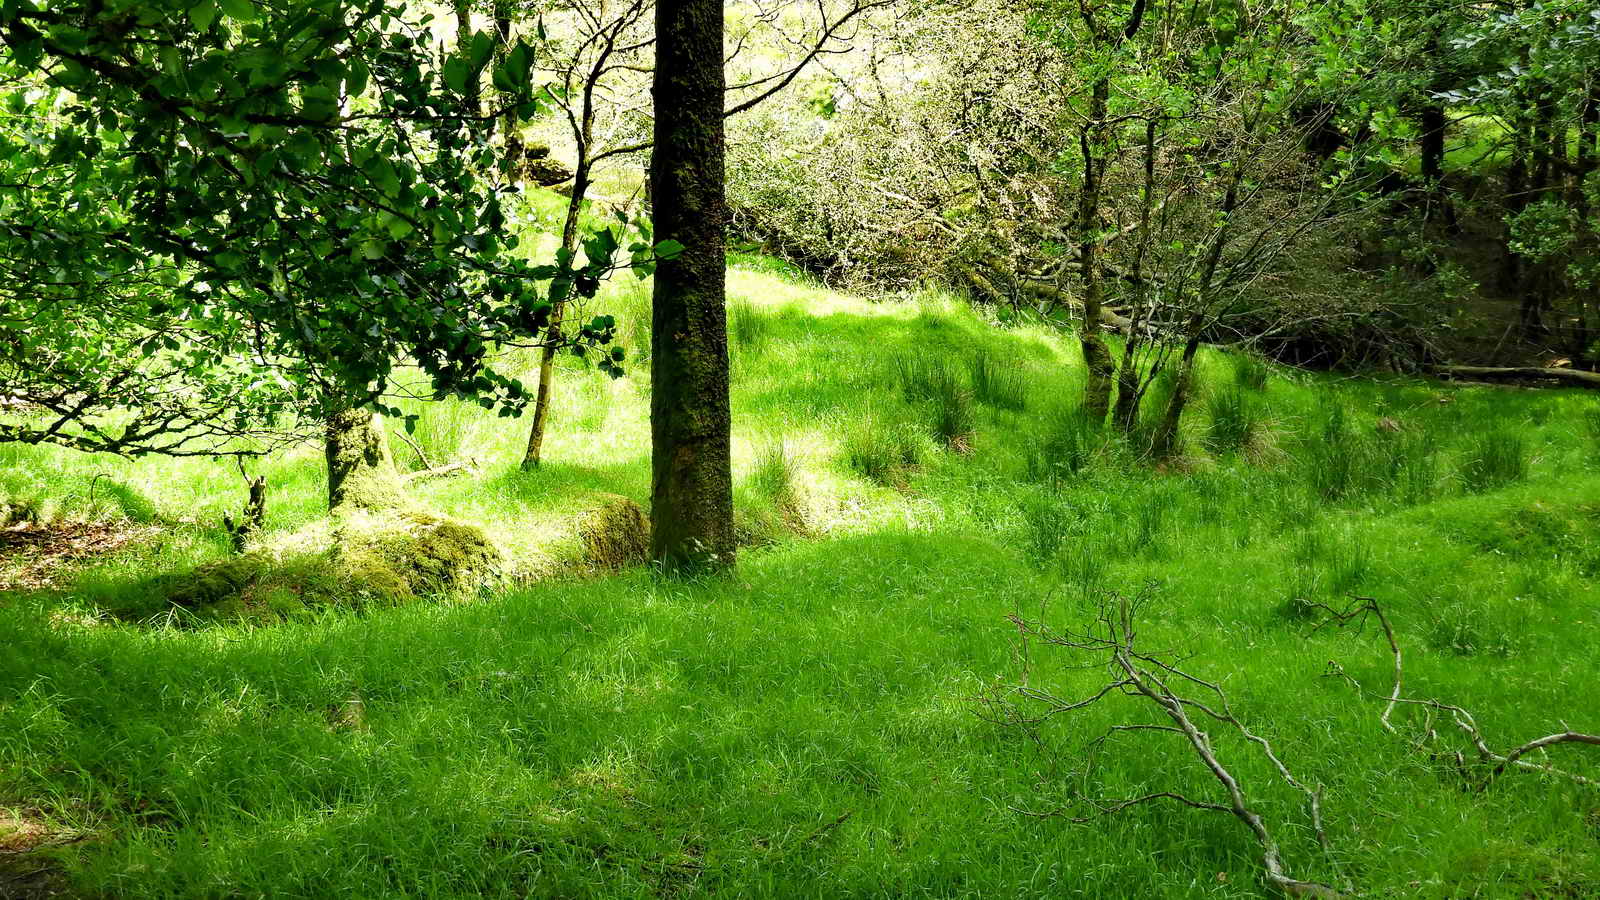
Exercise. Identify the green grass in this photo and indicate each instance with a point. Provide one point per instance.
(806, 726)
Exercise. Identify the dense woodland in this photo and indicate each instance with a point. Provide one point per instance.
(655, 448)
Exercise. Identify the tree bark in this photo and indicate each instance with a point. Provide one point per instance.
(1099, 366)
(361, 473)
(690, 419)
(532, 456)
(512, 138)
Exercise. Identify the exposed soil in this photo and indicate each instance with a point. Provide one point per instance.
(34, 556)
(26, 870)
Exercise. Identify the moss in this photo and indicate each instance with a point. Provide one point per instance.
(612, 535)
(355, 560)
(361, 472)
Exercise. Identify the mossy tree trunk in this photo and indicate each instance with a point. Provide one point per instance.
(1099, 366)
(690, 420)
(1095, 141)
(361, 472)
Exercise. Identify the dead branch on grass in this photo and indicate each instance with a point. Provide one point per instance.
(1186, 700)
(1358, 613)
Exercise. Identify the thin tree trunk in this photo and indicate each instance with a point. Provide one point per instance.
(512, 138)
(690, 420)
(1165, 443)
(463, 12)
(1130, 384)
(1099, 366)
(547, 359)
(361, 473)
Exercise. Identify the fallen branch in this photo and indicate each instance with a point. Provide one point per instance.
(1362, 608)
(1527, 374)
(444, 471)
(1187, 701)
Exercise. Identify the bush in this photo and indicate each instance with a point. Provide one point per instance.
(1493, 461)
(997, 385)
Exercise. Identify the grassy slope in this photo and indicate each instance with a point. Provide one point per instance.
(806, 727)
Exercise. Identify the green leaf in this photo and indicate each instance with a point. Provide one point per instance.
(668, 249)
(243, 10)
(202, 14)
(456, 74)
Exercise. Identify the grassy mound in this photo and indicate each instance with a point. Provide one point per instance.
(356, 560)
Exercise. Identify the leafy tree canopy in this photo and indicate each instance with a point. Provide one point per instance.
(258, 207)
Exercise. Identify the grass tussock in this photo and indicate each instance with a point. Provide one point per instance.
(997, 383)
(1493, 461)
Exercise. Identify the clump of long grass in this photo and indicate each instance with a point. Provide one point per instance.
(747, 325)
(1494, 460)
(1413, 463)
(1067, 448)
(1151, 519)
(882, 452)
(1340, 463)
(1250, 372)
(1049, 521)
(774, 474)
(1591, 429)
(996, 384)
(1233, 421)
(932, 382)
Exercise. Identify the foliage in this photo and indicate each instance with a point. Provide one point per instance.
(238, 211)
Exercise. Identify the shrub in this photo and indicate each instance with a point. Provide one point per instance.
(1494, 460)
(997, 385)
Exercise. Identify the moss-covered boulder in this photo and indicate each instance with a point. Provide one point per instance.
(354, 560)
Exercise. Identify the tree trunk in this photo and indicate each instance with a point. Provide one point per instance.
(1165, 444)
(463, 12)
(361, 473)
(547, 360)
(1099, 366)
(690, 420)
(513, 150)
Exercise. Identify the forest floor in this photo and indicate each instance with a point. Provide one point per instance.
(811, 725)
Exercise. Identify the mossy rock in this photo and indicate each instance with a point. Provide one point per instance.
(546, 172)
(613, 534)
(353, 560)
